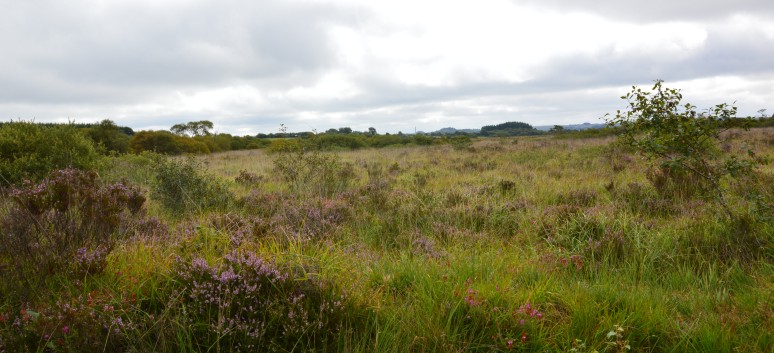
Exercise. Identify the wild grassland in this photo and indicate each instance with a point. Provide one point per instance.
(526, 244)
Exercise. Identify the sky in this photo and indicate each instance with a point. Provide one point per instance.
(395, 65)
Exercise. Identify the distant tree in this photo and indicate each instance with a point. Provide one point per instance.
(557, 129)
(155, 141)
(513, 128)
(179, 129)
(193, 128)
(372, 131)
(331, 131)
(345, 130)
(109, 136)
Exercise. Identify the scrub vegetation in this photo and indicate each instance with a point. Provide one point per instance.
(528, 243)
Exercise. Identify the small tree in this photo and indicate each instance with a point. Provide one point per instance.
(681, 141)
(557, 129)
(193, 128)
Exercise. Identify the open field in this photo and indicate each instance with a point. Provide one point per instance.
(511, 244)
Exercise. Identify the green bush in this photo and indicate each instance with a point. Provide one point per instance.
(388, 140)
(31, 151)
(683, 142)
(155, 141)
(109, 137)
(337, 141)
(168, 143)
(284, 145)
(182, 187)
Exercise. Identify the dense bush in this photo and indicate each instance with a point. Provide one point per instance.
(338, 141)
(285, 145)
(31, 151)
(109, 137)
(155, 141)
(182, 187)
(70, 218)
(167, 143)
(388, 140)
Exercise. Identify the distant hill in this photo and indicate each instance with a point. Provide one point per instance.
(452, 131)
(583, 126)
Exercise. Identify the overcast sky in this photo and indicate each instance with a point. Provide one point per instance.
(396, 65)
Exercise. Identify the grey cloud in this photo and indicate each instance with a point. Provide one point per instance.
(80, 59)
(68, 46)
(659, 10)
(742, 54)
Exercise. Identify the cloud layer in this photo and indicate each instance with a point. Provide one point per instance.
(394, 65)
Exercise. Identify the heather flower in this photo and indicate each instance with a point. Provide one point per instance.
(248, 301)
(68, 221)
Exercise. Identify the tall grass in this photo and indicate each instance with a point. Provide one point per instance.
(528, 244)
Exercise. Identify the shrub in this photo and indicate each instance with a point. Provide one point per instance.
(248, 179)
(682, 141)
(155, 141)
(31, 151)
(182, 187)
(337, 141)
(109, 137)
(251, 304)
(138, 169)
(166, 142)
(312, 219)
(461, 143)
(239, 229)
(284, 145)
(69, 218)
(314, 173)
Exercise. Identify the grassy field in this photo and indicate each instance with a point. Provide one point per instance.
(513, 244)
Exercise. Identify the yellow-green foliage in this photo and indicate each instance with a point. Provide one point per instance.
(31, 151)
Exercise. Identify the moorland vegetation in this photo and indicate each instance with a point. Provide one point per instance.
(659, 240)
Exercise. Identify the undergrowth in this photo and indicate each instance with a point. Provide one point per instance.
(559, 245)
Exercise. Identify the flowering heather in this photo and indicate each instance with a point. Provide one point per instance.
(88, 262)
(313, 219)
(248, 179)
(425, 246)
(249, 303)
(149, 228)
(94, 322)
(527, 310)
(67, 211)
(240, 228)
(266, 204)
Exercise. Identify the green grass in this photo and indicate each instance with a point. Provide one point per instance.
(444, 250)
